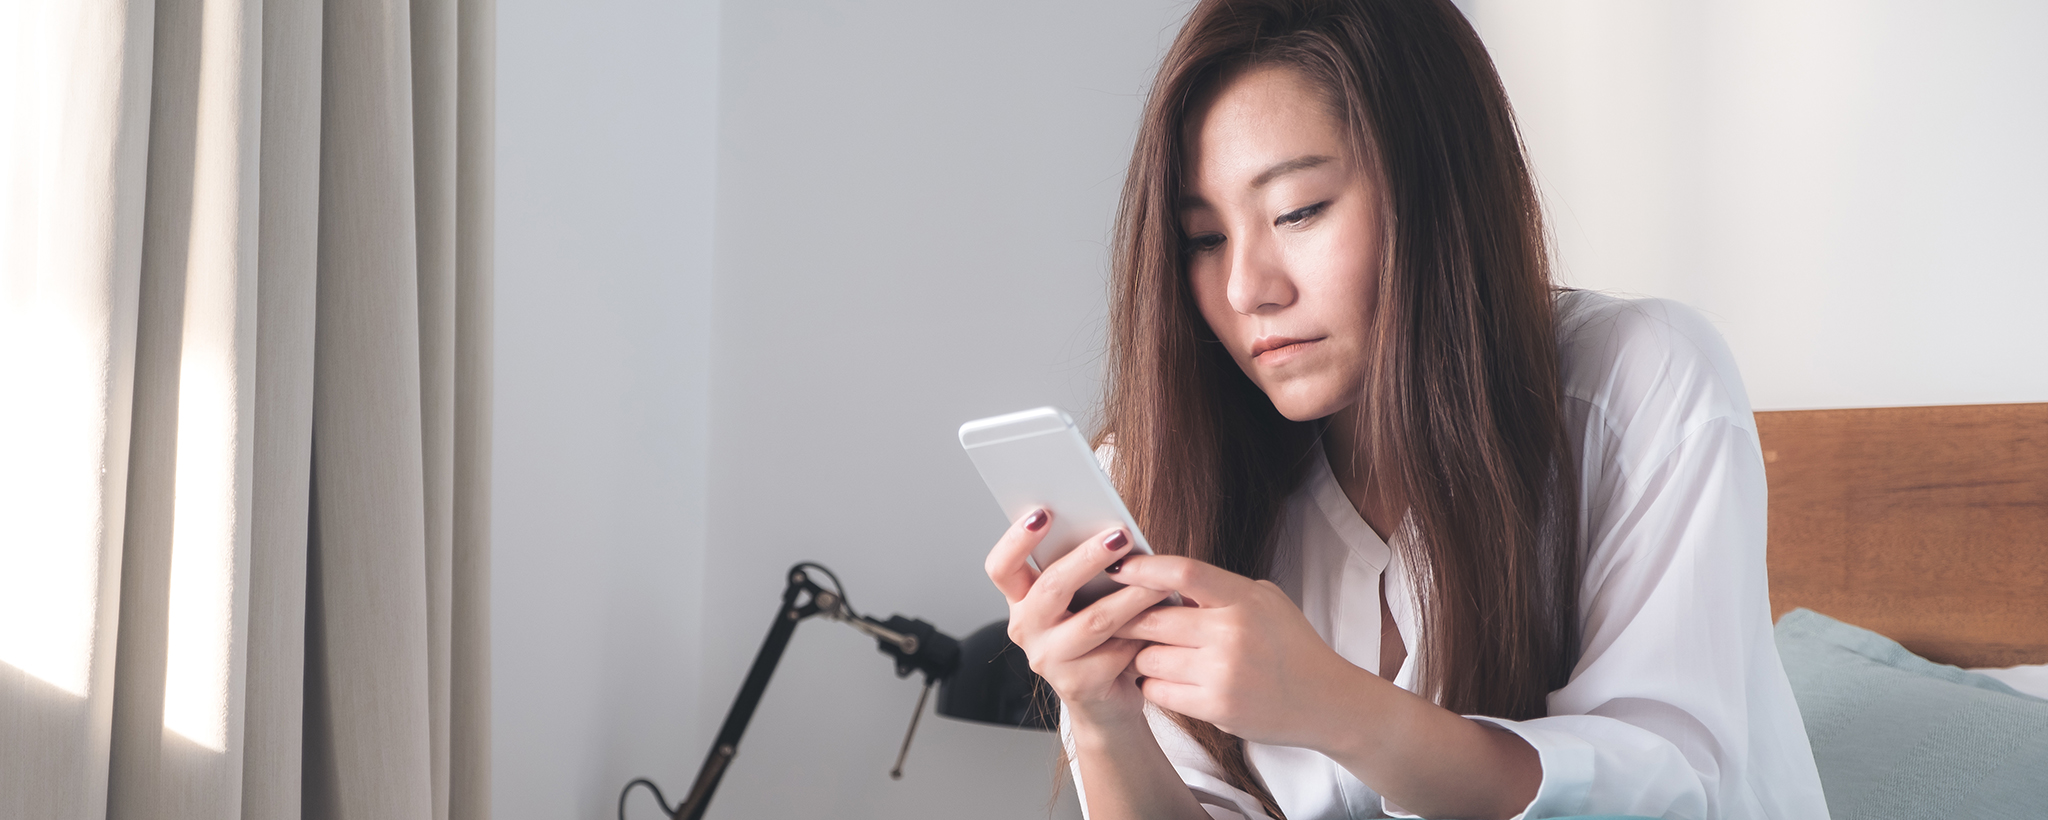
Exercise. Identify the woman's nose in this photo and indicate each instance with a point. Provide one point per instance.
(1258, 277)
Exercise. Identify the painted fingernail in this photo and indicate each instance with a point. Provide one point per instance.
(1115, 541)
(1114, 567)
(1035, 521)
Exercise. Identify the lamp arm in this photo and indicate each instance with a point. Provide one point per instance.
(749, 697)
(915, 645)
(879, 630)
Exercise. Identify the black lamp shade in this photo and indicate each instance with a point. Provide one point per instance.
(994, 684)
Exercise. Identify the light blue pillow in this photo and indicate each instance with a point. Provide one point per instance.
(1897, 735)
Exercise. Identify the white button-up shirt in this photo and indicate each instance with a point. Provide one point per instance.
(1679, 706)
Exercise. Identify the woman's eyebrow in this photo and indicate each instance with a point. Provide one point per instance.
(1297, 164)
(1191, 202)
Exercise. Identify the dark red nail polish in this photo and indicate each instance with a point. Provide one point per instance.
(1035, 521)
(1115, 541)
(1114, 567)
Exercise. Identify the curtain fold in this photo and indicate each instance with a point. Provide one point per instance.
(469, 718)
(244, 408)
(288, 256)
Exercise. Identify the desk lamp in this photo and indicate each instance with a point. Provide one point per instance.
(984, 679)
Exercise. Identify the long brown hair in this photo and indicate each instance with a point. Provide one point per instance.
(1461, 412)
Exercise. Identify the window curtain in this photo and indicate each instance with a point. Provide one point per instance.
(245, 295)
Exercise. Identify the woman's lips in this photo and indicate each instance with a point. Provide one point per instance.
(1276, 349)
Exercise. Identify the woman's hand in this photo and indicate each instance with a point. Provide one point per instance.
(1244, 658)
(1075, 652)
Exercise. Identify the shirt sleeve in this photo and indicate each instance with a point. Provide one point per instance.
(1678, 706)
(1221, 800)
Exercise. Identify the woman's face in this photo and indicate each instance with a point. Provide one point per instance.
(1283, 240)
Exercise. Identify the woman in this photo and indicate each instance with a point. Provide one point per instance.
(1508, 539)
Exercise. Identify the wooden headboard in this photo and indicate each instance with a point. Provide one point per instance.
(1926, 524)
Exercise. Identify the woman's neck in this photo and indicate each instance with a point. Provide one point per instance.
(1351, 462)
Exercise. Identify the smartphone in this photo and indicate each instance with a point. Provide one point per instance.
(1038, 458)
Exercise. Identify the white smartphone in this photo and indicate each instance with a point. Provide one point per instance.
(1038, 458)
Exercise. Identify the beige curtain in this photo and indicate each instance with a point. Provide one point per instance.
(245, 367)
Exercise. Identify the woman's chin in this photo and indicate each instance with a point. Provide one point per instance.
(1309, 394)
(1306, 408)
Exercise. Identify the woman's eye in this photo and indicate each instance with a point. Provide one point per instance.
(1201, 243)
(1299, 215)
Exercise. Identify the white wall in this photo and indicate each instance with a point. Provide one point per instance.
(910, 213)
(914, 204)
(1851, 188)
(605, 162)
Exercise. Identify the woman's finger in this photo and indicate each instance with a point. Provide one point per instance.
(1176, 625)
(1186, 699)
(1177, 664)
(1206, 583)
(1098, 622)
(1106, 662)
(1047, 601)
(1115, 652)
(1006, 566)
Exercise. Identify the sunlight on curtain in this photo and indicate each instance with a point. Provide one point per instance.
(209, 552)
(55, 345)
(52, 436)
(204, 583)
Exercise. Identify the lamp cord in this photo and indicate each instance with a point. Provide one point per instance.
(659, 800)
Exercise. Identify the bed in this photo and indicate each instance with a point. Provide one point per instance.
(1920, 537)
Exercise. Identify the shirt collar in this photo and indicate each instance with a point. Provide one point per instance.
(1343, 516)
